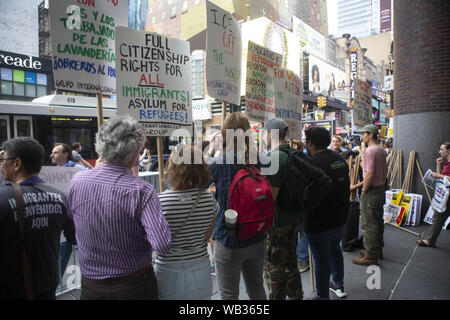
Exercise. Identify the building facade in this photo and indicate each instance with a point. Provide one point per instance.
(364, 18)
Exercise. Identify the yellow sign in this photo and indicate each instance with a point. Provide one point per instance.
(383, 132)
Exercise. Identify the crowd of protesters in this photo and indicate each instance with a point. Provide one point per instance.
(119, 222)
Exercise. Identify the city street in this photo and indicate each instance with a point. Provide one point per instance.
(407, 272)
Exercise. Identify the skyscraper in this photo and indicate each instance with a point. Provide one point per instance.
(361, 18)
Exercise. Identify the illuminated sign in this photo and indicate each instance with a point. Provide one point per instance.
(353, 73)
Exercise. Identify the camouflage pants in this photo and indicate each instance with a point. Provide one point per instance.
(280, 264)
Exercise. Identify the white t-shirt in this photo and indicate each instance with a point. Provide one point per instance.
(190, 243)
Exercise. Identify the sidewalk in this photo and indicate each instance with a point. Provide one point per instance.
(407, 272)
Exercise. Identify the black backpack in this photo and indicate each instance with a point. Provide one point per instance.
(306, 186)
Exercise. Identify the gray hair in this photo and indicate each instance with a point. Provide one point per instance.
(119, 139)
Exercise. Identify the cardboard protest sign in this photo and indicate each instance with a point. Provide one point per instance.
(154, 81)
(260, 84)
(289, 100)
(405, 203)
(362, 108)
(83, 39)
(392, 212)
(58, 177)
(223, 55)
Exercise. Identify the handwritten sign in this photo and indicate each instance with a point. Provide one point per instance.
(223, 55)
(260, 84)
(362, 108)
(83, 39)
(288, 100)
(154, 81)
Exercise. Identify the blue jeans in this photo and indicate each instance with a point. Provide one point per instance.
(302, 248)
(65, 251)
(189, 280)
(328, 259)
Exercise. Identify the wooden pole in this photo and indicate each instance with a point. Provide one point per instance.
(224, 111)
(394, 225)
(311, 271)
(421, 175)
(159, 145)
(99, 110)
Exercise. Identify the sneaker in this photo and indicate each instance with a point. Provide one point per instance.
(339, 291)
(303, 265)
(212, 269)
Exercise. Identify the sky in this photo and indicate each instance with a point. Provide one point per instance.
(332, 17)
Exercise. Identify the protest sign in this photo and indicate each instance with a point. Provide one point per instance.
(362, 108)
(201, 110)
(429, 180)
(154, 81)
(260, 84)
(288, 101)
(223, 55)
(83, 39)
(58, 177)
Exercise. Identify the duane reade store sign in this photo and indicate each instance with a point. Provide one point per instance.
(13, 60)
(17, 61)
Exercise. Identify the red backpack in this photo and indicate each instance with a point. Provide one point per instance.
(250, 195)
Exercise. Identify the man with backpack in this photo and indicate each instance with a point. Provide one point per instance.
(280, 269)
(324, 224)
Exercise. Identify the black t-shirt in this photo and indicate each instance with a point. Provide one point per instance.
(45, 218)
(333, 212)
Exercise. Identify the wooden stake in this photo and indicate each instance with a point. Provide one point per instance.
(99, 110)
(421, 175)
(224, 111)
(311, 270)
(159, 145)
(394, 225)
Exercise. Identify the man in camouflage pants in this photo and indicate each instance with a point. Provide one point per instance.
(280, 269)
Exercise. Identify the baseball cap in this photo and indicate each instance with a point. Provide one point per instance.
(276, 123)
(370, 128)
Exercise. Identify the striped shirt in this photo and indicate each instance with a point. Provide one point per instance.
(118, 221)
(190, 243)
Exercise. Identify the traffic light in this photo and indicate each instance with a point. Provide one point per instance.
(321, 101)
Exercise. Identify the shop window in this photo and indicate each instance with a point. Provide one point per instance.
(7, 87)
(19, 89)
(30, 77)
(41, 79)
(6, 74)
(19, 76)
(41, 91)
(30, 90)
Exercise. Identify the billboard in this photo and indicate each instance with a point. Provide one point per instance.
(327, 80)
(385, 15)
(310, 40)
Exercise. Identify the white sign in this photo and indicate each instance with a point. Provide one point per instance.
(201, 110)
(223, 55)
(83, 38)
(362, 109)
(260, 88)
(271, 35)
(311, 40)
(389, 82)
(154, 81)
(55, 176)
(289, 100)
(58, 177)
